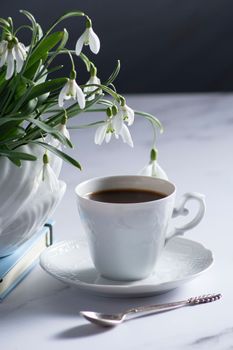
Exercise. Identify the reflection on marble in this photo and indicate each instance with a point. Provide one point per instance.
(196, 152)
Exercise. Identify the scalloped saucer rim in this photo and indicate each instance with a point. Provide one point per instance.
(69, 261)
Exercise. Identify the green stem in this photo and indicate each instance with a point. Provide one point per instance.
(84, 126)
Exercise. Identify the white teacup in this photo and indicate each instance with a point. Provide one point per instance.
(126, 239)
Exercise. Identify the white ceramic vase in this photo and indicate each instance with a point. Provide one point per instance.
(25, 208)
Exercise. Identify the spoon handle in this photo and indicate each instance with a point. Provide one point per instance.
(170, 306)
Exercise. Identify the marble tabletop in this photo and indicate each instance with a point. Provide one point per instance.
(196, 152)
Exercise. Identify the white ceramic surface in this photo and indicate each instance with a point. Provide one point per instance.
(23, 210)
(181, 261)
(126, 239)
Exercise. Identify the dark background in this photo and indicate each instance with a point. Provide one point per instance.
(163, 45)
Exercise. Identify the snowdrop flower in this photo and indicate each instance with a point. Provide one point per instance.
(47, 176)
(71, 90)
(128, 114)
(124, 114)
(63, 129)
(110, 127)
(11, 52)
(153, 168)
(93, 80)
(90, 38)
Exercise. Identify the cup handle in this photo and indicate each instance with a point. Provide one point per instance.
(181, 210)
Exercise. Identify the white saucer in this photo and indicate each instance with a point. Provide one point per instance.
(181, 261)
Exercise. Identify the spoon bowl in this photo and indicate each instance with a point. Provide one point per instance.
(103, 319)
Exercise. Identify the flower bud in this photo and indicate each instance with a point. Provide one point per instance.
(93, 70)
(64, 119)
(15, 40)
(153, 154)
(114, 110)
(109, 111)
(122, 101)
(45, 158)
(88, 23)
(73, 75)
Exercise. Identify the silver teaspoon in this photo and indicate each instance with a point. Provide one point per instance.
(106, 320)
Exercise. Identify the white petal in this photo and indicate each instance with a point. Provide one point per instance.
(79, 44)
(130, 114)
(62, 94)
(80, 96)
(92, 80)
(155, 170)
(96, 80)
(3, 46)
(90, 98)
(10, 65)
(52, 141)
(22, 50)
(147, 170)
(100, 134)
(63, 129)
(17, 52)
(117, 123)
(94, 41)
(88, 89)
(126, 137)
(108, 137)
(50, 179)
(3, 58)
(158, 172)
(18, 59)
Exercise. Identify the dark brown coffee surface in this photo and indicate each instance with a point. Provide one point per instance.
(125, 196)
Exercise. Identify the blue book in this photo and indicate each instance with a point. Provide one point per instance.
(15, 267)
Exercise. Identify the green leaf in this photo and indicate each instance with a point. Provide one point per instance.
(14, 133)
(5, 120)
(60, 154)
(31, 72)
(44, 46)
(20, 89)
(45, 87)
(17, 155)
(16, 161)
